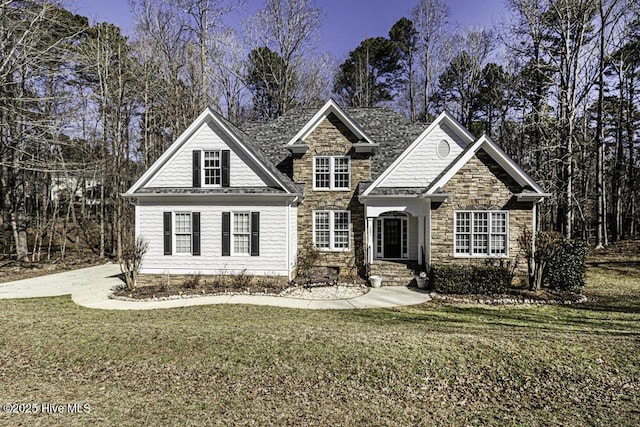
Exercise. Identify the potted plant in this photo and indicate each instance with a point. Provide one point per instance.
(376, 281)
(421, 280)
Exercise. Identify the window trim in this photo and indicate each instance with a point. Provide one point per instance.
(488, 254)
(332, 173)
(204, 168)
(232, 233)
(174, 233)
(332, 241)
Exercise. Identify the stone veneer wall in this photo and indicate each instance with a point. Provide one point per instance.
(332, 138)
(480, 184)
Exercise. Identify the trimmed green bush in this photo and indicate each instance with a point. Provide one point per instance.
(566, 267)
(456, 279)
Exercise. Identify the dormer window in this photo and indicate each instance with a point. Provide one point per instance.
(331, 173)
(212, 168)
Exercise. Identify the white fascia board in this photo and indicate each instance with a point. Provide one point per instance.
(239, 143)
(510, 166)
(329, 107)
(496, 154)
(157, 165)
(443, 117)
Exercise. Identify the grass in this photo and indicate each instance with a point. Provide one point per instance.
(432, 364)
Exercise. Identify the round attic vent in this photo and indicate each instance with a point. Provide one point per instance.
(443, 149)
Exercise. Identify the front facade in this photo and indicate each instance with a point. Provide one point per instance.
(366, 188)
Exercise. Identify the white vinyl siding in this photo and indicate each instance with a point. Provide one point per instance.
(177, 172)
(422, 165)
(481, 233)
(331, 173)
(331, 230)
(273, 234)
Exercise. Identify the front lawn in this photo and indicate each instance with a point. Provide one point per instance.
(433, 364)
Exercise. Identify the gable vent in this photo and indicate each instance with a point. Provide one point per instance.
(443, 149)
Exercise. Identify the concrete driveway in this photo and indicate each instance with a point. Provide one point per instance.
(90, 287)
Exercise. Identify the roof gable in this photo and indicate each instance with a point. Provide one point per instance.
(330, 107)
(419, 161)
(500, 157)
(250, 161)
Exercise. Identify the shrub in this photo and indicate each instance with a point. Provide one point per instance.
(455, 279)
(566, 268)
(491, 280)
(192, 281)
(450, 279)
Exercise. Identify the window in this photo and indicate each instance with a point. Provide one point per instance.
(212, 168)
(481, 233)
(241, 233)
(331, 230)
(182, 221)
(331, 173)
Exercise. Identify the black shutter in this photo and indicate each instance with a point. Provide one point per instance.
(195, 229)
(226, 234)
(255, 233)
(225, 168)
(196, 168)
(167, 233)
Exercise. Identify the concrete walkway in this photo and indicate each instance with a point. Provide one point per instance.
(90, 287)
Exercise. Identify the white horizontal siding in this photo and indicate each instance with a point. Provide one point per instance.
(273, 235)
(177, 171)
(422, 164)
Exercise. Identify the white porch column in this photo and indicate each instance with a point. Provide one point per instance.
(369, 240)
(421, 239)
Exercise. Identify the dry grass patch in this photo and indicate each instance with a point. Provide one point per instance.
(433, 364)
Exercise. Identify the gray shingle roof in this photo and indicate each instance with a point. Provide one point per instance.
(217, 190)
(397, 191)
(258, 150)
(390, 130)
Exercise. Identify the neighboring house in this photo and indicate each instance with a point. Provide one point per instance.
(373, 192)
(83, 186)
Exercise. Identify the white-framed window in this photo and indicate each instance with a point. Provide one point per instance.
(212, 168)
(182, 232)
(331, 230)
(241, 233)
(331, 173)
(481, 233)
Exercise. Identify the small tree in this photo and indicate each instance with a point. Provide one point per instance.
(131, 261)
(546, 245)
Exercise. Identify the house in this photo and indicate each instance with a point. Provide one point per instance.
(373, 192)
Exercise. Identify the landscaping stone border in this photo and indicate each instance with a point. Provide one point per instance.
(505, 300)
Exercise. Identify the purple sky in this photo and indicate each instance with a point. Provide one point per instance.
(346, 24)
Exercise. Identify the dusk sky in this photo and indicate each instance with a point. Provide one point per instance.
(346, 23)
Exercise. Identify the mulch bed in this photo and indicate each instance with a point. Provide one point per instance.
(192, 287)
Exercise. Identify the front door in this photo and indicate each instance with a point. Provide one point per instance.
(392, 238)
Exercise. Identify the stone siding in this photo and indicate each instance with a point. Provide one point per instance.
(481, 184)
(332, 138)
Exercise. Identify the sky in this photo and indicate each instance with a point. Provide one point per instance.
(346, 22)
